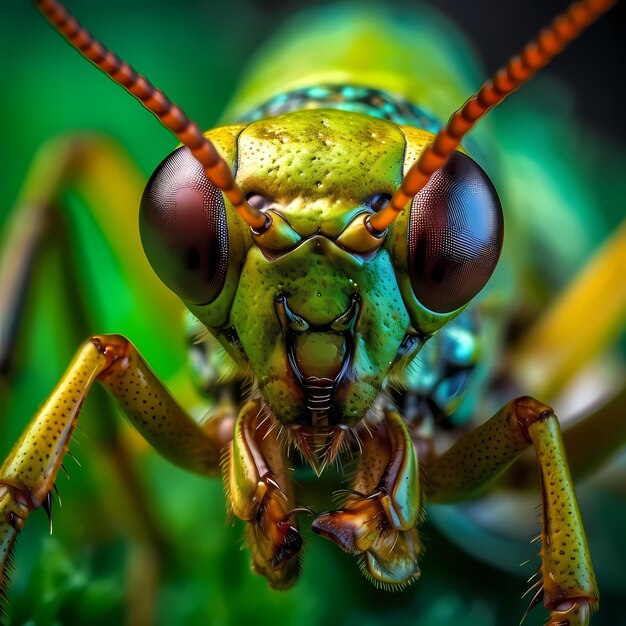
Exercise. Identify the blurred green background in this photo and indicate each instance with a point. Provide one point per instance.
(99, 561)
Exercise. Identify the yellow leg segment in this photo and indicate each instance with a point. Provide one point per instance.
(29, 472)
(583, 322)
(568, 586)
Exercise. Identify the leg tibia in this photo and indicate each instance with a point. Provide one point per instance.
(568, 579)
(568, 586)
(32, 465)
(29, 472)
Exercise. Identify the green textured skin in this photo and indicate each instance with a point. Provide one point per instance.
(319, 267)
(318, 187)
(320, 168)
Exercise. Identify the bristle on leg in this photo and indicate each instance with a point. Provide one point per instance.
(14, 509)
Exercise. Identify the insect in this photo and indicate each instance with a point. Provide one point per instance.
(286, 312)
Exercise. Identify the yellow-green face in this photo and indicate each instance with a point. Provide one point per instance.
(319, 322)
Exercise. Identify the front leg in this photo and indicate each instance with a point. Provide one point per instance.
(29, 472)
(568, 586)
(380, 514)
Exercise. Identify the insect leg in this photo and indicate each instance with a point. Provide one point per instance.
(71, 262)
(583, 322)
(29, 472)
(98, 177)
(589, 443)
(381, 523)
(568, 587)
(260, 493)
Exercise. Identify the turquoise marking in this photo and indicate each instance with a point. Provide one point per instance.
(374, 102)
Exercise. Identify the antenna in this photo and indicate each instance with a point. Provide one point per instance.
(168, 113)
(521, 68)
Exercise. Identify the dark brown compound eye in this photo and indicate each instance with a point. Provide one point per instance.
(455, 235)
(183, 228)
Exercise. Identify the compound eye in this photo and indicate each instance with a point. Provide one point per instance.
(455, 235)
(183, 228)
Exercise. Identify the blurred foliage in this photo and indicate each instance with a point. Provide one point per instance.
(99, 560)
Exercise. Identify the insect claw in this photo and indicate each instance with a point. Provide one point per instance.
(272, 482)
(263, 420)
(375, 495)
(259, 527)
(270, 429)
(307, 510)
(352, 492)
(299, 509)
(47, 507)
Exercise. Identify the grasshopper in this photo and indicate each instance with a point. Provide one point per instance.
(321, 275)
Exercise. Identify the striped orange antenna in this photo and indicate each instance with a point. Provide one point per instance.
(168, 113)
(521, 68)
